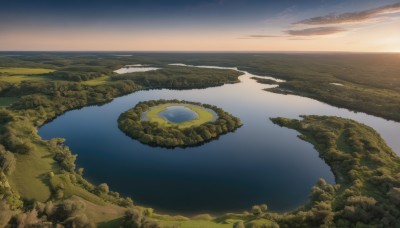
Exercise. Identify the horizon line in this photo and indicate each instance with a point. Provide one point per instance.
(194, 51)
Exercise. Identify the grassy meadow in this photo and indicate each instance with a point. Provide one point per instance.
(17, 75)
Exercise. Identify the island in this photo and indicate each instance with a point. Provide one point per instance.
(175, 123)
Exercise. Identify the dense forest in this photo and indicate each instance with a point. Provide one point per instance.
(80, 73)
(152, 133)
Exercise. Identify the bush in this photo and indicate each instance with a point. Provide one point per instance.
(7, 161)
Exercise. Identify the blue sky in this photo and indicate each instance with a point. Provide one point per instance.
(195, 25)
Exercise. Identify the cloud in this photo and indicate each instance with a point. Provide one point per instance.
(320, 31)
(352, 17)
(250, 37)
(313, 27)
(300, 39)
(262, 36)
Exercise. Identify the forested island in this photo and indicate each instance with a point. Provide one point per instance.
(181, 77)
(188, 133)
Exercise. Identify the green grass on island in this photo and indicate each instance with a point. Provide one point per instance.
(203, 116)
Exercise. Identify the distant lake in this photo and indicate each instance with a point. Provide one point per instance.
(259, 163)
(135, 68)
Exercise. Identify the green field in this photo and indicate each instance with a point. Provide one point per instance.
(24, 71)
(20, 78)
(31, 172)
(6, 101)
(204, 116)
(97, 81)
(16, 75)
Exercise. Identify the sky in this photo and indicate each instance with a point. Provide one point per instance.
(208, 25)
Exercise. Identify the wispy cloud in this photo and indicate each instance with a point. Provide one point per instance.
(259, 36)
(332, 24)
(320, 31)
(352, 17)
(262, 36)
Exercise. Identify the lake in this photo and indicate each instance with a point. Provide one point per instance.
(259, 163)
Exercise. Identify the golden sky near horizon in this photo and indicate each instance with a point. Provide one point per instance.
(373, 29)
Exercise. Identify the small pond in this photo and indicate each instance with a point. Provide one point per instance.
(178, 114)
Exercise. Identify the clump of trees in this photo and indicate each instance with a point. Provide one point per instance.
(152, 133)
(9, 198)
(62, 154)
(258, 210)
(68, 213)
(7, 161)
(80, 73)
(137, 218)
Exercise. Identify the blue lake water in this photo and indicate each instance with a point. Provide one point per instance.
(259, 163)
(178, 114)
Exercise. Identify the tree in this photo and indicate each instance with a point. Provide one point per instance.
(239, 224)
(256, 210)
(394, 195)
(264, 207)
(132, 219)
(103, 188)
(7, 160)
